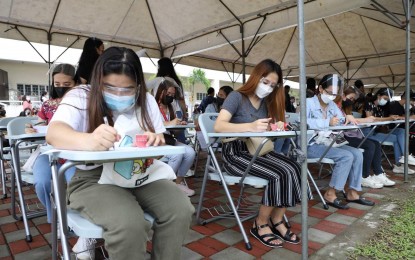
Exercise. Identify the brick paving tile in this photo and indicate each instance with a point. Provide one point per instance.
(215, 227)
(201, 249)
(4, 212)
(351, 212)
(20, 224)
(18, 246)
(10, 227)
(297, 248)
(6, 258)
(258, 249)
(213, 243)
(2, 239)
(37, 241)
(203, 230)
(331, 227)
(318, 213)
(44, 228)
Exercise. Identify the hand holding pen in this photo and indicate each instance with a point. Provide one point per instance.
(103, 137)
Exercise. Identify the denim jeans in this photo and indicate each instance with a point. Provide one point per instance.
(348, 165)
(281, 145)
(43, 177)
(397, 137)
(181, 163)
(372, 155)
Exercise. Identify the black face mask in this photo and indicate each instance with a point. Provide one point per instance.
(61, 91)
(167, 100)
(220, 101)
(347, 103)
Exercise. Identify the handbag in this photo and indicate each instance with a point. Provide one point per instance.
(169, 139)
(252, 143)
(28, 166)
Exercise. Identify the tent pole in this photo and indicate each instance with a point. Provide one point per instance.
(408, 11)
(303, 128)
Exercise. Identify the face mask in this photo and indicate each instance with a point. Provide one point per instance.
(327, 98)
(263, 90)
(382, 102)
(347, 103)
(60, 91)
(220, 101)
(119, 103)
(167, 100)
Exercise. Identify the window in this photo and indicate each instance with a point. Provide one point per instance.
(27, 89)
(20, 89)
(31, 90)
(200, 96)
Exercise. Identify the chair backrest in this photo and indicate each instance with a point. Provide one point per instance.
(207, 123)
(356, 115)
(17, 125)
(4, 121)
(292, 117)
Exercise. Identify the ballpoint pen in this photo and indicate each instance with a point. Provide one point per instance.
(106, 122)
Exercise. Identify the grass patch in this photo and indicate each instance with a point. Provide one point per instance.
(395, 238)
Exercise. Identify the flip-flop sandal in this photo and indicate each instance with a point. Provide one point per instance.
(288, 235)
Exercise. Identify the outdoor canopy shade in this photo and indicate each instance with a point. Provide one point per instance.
(354, 38)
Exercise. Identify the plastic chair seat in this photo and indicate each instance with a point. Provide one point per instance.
(85, 228)
(250, 180)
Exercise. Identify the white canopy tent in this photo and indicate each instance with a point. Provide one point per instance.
(357, 38)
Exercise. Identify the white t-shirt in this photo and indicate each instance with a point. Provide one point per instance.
(129, 174)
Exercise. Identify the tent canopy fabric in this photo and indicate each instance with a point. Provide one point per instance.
(353, 38)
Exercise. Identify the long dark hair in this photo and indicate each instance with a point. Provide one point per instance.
(276, 100)
(66, 69)
(161, 92)
(89, 56)
(121, 61)
(166, 69)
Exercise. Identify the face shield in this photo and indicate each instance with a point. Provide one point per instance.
(336, 83)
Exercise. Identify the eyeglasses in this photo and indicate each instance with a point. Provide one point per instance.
(329, 93)
(120, 91)
(267, 82)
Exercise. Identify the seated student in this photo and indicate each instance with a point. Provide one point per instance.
(322, 112)
(372, 151)
(216, 105)
(207, 100)
(63, 79)
(111, 195)
(397, 107)
(378, 107)
(181, 163)
(250, 109)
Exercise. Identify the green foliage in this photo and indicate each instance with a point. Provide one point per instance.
(395, 238)
(198, 76)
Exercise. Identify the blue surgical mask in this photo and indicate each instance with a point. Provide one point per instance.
(119, 103)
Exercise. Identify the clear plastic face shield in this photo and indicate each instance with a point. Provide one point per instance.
(335, 85)
(121, 91)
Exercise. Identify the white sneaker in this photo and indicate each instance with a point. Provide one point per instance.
(370, 182)
(400, 169)
(382, 178)
(85, 248)
(186, 189)
(190, 173)
(411, 159)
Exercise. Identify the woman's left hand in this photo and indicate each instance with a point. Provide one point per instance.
(154, 139)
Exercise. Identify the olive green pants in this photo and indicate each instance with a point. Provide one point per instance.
(119, 211)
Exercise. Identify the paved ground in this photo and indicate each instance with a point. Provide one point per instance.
(331, 232)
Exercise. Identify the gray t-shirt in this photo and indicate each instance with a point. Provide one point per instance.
(242, 110)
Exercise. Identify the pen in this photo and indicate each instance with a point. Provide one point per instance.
(106, 122)
(41, 122)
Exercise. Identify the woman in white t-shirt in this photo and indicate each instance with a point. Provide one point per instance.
(115, 195)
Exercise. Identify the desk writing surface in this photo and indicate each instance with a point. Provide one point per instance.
(179, 126)
(260, 134)
(126, 153)
(26, 136)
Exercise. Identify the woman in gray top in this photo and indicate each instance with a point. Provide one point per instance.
(251, 108)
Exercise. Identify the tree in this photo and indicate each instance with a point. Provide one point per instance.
(198, 76)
